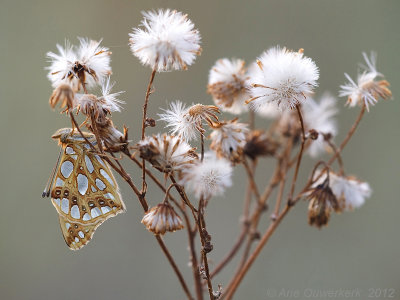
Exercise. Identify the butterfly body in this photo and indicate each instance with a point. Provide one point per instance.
(84, 190)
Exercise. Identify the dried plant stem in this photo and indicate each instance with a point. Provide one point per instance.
(202, 147)
(232, 252)
(174, 266)
(284, 170)
(144, 120)
(251, 179)
(202, 231)
(349, 135)
(339, 156)
(239, 275)
(300, 156)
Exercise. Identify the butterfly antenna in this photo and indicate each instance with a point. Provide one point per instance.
(46, 192)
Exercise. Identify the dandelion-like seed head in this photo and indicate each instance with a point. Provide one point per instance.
(368, 89)
(227, 85)
(208, 178)
(100, 107)
(284, 78)
(87, 64)
(228, 139)
(167, 41)
(167, 153)
(162, 218)
(188, 121)
(351, 192)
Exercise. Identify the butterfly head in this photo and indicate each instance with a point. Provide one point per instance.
(67, 135)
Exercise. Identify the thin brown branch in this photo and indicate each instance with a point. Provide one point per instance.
(144, 125)
(174, 266)
(300, 156)
(239, 276)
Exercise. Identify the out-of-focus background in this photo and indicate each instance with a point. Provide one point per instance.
(358, 250)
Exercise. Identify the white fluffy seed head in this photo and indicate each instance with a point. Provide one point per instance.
(167, 40)
(350, 191)
(283, 78)
(208, 178)
(367, 90)
(320, 116)
(89, 62)
(179, 121)
(188, 121)
(227, 84)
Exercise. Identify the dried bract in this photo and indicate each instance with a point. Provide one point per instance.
(162, 218)
(322, 202)
(63, 94)
(258, 143)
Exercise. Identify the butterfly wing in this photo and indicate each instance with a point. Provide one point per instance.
(85, 192)
(77, 235)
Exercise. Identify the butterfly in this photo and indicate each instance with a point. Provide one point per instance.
(83, 189)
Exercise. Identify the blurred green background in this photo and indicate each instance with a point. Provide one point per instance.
(357, 250)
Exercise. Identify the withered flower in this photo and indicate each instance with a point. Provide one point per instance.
(258, 143)
(167, 153)
(322, 202)
(63, 94)
(114, 140)
(227, 85)
(228, 139)
(162, 218)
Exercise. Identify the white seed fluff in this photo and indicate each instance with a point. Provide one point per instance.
(208, 178)
(227, 84)
(167, 41)
(179, 121)
(366, 90)
(320, 116)
(284, 78)
(352, 191)
(89, 57)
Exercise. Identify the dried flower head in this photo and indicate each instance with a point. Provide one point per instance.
(208, 178)
(284, 78)
(162, 218)
(228, 139)
(63, 94)
(227, 85)
(367, 90)
(88, 65)
(319, 116)
(114, 140)
(349, 190)
(322, 201)
(99, 107)
(258, 143)
(168, 40)
(188, 121)
(167, 153)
